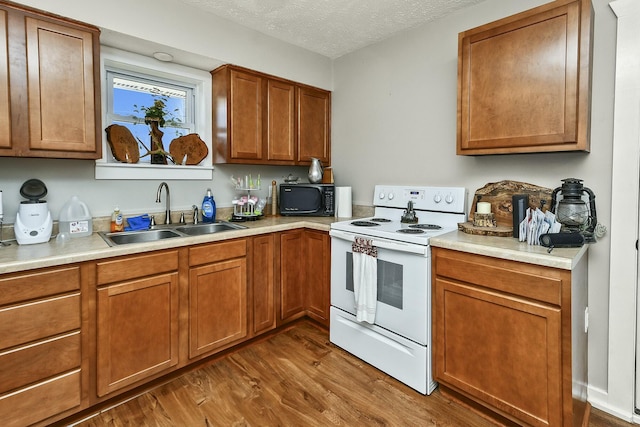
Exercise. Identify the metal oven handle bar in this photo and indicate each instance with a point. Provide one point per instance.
(384, 243)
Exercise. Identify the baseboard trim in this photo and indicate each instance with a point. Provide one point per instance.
(599, 399)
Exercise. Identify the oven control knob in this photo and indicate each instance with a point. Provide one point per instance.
(449, 199)
(391, 195)
(437, 198)
(381, 195)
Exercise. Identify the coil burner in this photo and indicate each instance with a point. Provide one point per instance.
(426, 226)
(410, 231)
(364, 224)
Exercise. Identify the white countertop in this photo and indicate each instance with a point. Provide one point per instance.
(511, 249)
(16, 257)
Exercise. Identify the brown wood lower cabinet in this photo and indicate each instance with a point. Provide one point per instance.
(217, 296)
(318, 275)
(41, 372)
(305, 275)
(137, 319)
(80, 335)
(504, 337)
(263, 281)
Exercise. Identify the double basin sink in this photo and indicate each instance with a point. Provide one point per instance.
(167, 232)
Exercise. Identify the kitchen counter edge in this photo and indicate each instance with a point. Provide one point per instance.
(510, 248)
(16, 258)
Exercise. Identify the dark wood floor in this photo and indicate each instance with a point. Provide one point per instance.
(294, 378)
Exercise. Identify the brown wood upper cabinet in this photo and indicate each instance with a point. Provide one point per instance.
(262, 119)
(51, 108)
(524, 82)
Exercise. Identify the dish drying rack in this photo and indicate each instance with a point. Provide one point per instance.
(246, 207)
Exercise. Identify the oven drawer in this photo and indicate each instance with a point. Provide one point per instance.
(401, 358)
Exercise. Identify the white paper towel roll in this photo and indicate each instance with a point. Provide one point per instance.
(343, 202)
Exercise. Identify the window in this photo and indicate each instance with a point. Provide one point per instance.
(132, 85)
(129, 97)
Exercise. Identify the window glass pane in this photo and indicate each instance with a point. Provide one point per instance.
(132, 97)
(390, 281)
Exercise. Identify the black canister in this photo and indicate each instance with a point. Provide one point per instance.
(519, 204)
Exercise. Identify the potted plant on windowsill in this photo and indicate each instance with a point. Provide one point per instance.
(156, 116)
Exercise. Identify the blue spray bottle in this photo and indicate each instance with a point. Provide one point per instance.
(208, 207)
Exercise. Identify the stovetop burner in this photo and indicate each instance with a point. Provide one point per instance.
(364, 224)
(410, 231)
(380, 220)
(426, 226)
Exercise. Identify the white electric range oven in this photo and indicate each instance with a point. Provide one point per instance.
(398, 341)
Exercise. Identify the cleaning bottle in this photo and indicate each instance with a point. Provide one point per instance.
(117, 223)
(208, 207)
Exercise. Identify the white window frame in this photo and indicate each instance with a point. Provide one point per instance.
(118, 60)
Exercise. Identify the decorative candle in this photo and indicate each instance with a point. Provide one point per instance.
(483, 208)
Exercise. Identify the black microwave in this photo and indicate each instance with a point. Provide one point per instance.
(307, 199)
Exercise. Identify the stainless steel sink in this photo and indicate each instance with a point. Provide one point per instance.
(200, 229)
(145, 236)
(167, 232)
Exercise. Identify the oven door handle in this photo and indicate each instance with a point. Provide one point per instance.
(391, 245)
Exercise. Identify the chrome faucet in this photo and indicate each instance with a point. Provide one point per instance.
(167, 212)
(195, 214)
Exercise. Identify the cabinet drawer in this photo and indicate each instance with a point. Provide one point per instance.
(43, 400)
(29, 364)
(526, 280)
(38, 284)
(217, 252)
(40, 319)
(134, 267)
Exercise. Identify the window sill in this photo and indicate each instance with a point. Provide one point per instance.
(148, 171)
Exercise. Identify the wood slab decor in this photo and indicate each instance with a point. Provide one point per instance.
(499, 194)
(124, 146)
(188, 145)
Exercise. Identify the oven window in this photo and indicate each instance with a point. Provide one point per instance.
(389, 281)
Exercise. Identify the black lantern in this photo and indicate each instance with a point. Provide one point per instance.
(575, 215)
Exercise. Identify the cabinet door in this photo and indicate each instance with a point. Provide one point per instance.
(523, 82)
(245, 132)
(314, 124)
(501, 349)
(61, 91)
(318, 268)
(292, 275)
(5, 121)
(217, 305)
(262, 284)
(281, 123)
(137, 330)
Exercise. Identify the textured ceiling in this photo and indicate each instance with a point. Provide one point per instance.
(330, 27)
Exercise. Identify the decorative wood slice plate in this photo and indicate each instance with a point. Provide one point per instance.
(498, 231)
(499, 195)
(190, 146)
(124, 146)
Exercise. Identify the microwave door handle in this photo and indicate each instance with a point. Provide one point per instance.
(383, 243)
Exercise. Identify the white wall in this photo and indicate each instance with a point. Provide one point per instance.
(394, 122)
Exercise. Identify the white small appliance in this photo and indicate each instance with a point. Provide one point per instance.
(33, 221)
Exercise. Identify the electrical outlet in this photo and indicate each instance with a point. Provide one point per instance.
(586, 320)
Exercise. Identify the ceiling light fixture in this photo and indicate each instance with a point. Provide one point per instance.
(163, 56)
